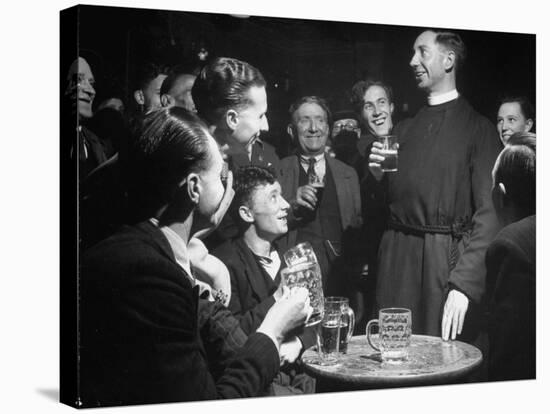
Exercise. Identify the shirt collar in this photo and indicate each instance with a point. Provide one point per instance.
(178, 246)
(305, 158)
(443, 98)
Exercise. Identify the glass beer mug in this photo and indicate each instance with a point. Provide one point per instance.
(303, 271)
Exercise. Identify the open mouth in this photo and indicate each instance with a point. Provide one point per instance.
(379, 121)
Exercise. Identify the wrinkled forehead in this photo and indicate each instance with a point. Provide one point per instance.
(263, 190)
(310, 110)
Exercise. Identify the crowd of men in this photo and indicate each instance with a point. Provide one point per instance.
(185, 218)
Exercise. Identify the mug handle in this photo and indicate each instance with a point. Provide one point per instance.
(371, 343)
(351, 323)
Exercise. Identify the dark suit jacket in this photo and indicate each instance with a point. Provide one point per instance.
(251, 291)
(251, 288)
(140, 340)
(347, 190)
(511, 281)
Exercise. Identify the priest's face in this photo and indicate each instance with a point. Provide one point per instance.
(428, 61)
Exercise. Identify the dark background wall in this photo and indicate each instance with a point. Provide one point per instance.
(301, 57)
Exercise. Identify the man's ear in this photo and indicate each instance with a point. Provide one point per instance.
(246, 214)
(138, 96)
(528, 125)
(290, 131)
(449, 60)
(166, 100)
(392, 107)
(193, 187)
(232, 119)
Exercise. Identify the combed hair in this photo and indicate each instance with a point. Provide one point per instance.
(310, 99)
(167, 145)
(516, 167)
(360, 88)
(452, 41)
(527, 108)
(173, 75)
(223, 84)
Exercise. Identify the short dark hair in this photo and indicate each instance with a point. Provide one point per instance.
(167, 145)
(222, 85)
(527, 108)
(360, 88)
(247, 179)
(173, 75)
(516, 167)
(310, 99)
(452, 41)
(147, 72)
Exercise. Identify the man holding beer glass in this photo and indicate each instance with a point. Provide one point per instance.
(431, 257)
(323, 192)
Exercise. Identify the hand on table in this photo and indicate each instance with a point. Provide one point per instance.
(454, 312)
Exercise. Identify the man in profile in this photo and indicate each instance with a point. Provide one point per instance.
(230, 96)
(511, 264)
(441, 220)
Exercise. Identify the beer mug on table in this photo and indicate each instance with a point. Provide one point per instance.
(389, 151)
(337, 331)
(394, 338)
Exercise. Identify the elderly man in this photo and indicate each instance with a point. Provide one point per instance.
(78, 99)
(323, 192)
(441, 220)
(511, 264)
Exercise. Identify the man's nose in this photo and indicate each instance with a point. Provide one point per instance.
(284, 204)
(414, 61)
(87, 87)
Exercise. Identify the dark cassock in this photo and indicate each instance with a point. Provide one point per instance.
(441, 217)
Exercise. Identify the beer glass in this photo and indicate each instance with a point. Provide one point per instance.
(307, 274)
(299, 254)
(389, 151)
(345, 324)
(394, 336)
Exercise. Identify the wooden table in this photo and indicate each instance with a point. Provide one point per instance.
(431, 361)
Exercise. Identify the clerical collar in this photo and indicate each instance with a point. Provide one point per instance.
(444, 97)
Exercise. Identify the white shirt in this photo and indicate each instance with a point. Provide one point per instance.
(444, 97)
(271, 264)
(320, 166)
(179, 248)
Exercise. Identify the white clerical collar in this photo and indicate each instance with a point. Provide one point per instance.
(179, 248)
(444, 97)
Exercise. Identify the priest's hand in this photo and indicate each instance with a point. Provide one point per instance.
(454, 312)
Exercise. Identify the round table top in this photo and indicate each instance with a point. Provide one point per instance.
(431, 361)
